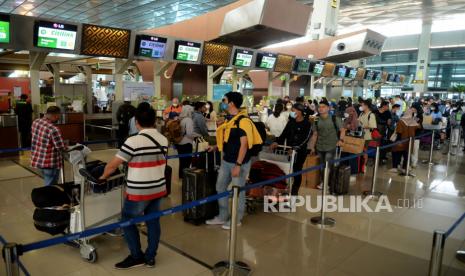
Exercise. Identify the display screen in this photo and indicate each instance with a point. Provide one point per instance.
(186, 50)
(150, 46)
(301, 65)
(341, 71)
(377, 76)
(391, 78)
(242, 58)
(369, 75)
(353, 73)
(4, 28)
(397, 78)
(55, 35)
(266, 60)
(316, 67)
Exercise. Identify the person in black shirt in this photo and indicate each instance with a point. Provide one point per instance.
(384, 120)
(296, 134)
(24, 112)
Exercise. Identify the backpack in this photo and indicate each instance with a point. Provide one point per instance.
(261, 130)
(333, 118)
(458, 116)
(173, 131)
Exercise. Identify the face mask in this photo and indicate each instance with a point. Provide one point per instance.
(207, 106)
(293, 115)
(360, 108)
(289, 107)
(346, 115)
(175, 104)
(463, 108)
(224, 106)
(433, 109)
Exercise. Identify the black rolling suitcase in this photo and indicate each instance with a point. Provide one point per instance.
(198, 184)
(339, 179)
(168, 176)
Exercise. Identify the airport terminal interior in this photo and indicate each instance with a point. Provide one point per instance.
(117, 114)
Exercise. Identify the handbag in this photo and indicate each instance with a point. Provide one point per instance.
(393, 137)
(201, 144)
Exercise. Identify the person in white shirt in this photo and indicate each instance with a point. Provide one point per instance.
(277, 121)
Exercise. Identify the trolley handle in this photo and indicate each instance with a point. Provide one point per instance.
(89, 177)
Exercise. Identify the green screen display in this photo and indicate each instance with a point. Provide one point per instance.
(4, 31)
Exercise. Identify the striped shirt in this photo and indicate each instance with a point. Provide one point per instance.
(146, 165)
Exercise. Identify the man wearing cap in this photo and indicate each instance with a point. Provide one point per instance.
(47, 144)
(327, 135)
(296, 134)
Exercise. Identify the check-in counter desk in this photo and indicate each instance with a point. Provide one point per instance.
(71, 126)
(9, 135)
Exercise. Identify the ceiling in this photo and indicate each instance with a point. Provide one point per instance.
(147, 14)
(378, 12)
(131, 14)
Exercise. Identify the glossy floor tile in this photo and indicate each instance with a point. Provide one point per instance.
(361, 243)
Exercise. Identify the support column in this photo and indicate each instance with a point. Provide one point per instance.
(324, 19)
(270, 83)
(159, 68)
(36, 60)
(210, 76)
(312, 87)
(87, 72)
(121, 65)
(234, 79)
(287, 84)
(54, 68)
(421, 79)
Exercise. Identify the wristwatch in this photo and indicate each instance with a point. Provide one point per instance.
(238, 164)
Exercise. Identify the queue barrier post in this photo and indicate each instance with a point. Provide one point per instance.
(431, 149)
(322, 221)
(231, 267)
(10, 256)
(437, 251)
(409, 157)
(373, 194)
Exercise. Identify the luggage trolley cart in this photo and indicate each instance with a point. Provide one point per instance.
(94, 203)
(284, 158)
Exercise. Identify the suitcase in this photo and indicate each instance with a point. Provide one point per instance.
(339, 178)
(198, 184)
(353, 163)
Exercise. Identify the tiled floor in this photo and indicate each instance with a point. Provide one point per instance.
(397, 243)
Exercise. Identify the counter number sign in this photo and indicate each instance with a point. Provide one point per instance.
(4, 31)
(188, 52)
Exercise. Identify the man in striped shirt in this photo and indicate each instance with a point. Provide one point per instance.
(144, 154)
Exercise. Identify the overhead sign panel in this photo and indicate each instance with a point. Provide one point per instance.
(266, 61)
(301, 66)
(4, 28)
(55, 35)
(105, 41)
(150, 46)
(316, 67)
(352, 73)
(216, 54)
(284, 63)
(242, 57)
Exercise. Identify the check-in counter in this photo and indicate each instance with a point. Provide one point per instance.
(9, 133)
(71, 126)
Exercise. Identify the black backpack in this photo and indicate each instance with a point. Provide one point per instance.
(261, 130)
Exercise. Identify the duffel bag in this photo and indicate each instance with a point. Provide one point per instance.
(52, 221)
(49, 196)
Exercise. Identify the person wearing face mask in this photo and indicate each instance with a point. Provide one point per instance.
(296, 134)
(277, 121)
(47, 145)
(350, 119)
(173, 110)
(384, 120)
(456, 115)
(288, 110)
(368, 121)
(328, 133)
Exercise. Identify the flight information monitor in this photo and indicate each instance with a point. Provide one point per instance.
(316, 67)
(186, 50)
(55, 35)
(341, 71)
(4, 28)
(150, 46)
(243, 58)
(266, 61)
(369, 75)
(377, 76)
(301, 65)
(352, 73)
(391, 77)
(397, 78)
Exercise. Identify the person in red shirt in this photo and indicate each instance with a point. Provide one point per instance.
(47, 145)
(172, 111)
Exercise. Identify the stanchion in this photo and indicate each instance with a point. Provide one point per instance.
(10, 255)
(409, 156)
(437, 252)
(431, 149)
(321, 221)
(373, 194)
(231, 267)
(460, 255)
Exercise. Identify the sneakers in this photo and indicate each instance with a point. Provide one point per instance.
(130, 262)
(215, 221)
(319, 186)
(394, 170)
(150, 263)
(227, 225)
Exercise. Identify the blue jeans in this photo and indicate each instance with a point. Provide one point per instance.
(50, 176)
(224, 179)
(133, 209)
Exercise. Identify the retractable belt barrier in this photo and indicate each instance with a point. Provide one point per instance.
(21, 266)
(106, 228)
